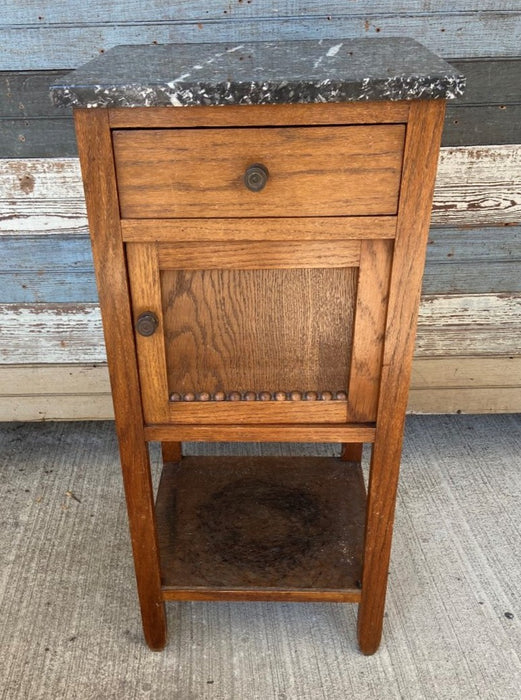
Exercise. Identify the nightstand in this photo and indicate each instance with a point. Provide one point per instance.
(259, 216)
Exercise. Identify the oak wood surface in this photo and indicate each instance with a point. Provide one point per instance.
(420, 160)
(199, 172)
(276, 432)
(226, 412)
(369, 330)
(100, 191)
(257, 330)
(145, 287)
(257, 255)
(309, 228)
(260, 115)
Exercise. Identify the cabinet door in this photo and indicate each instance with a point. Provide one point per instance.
(259, 331)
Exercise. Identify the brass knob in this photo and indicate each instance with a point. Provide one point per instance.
(256, 177)
(147, 323)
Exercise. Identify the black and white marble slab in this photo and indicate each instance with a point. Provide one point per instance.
(262, 72)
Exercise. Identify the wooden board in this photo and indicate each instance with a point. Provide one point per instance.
(461, 32)
(82, 392)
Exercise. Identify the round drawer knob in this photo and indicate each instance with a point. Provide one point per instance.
(147, 323)
(256, 177)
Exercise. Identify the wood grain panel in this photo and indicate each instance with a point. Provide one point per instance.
(262, 330)
(257, 255)
(199, 173)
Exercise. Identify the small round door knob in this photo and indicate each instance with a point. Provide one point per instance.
(147, 323)
(256, 177)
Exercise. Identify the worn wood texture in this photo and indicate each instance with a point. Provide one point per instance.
(478, 185)
(199, 173)
(462, 32)
(418, 177)
(94, 144)
(438, 385)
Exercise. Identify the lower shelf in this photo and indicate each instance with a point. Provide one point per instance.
(261, 528)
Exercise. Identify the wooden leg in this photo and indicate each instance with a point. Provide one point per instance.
(172, 451)
(135, 465)
(352, 451)
(381, 498)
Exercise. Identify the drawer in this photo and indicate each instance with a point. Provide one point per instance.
(312, 171)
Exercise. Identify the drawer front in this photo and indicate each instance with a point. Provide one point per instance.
(312, 171)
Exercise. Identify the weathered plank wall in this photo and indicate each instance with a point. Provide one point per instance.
(468, 355)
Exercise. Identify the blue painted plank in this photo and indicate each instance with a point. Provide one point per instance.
(458, 34)
(48, 287)
(58, 269)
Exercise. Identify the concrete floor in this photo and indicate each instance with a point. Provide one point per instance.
(70, 625)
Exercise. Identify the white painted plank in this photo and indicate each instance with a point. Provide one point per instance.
(51, 333)
(476, 185)
(42, 196)
(469, 325)
(448, 325)
(41, 46)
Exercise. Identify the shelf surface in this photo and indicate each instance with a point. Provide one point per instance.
(261, 528)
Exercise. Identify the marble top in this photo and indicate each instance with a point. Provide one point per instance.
(260, 72)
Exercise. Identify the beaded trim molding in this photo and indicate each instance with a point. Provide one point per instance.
(190, 396)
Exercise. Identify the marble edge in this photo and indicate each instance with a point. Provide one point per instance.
(193, 93)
